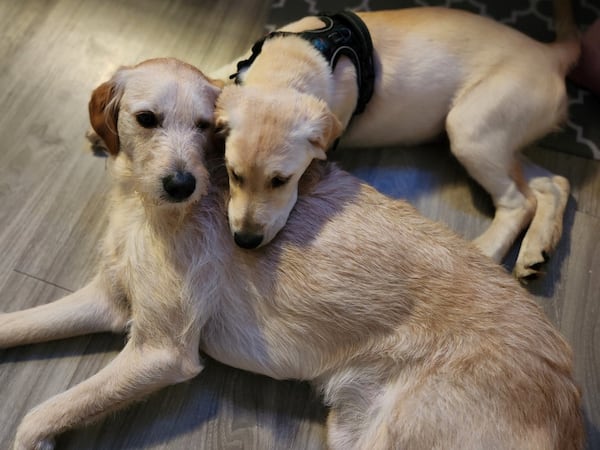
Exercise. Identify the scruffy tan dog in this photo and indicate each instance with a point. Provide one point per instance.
(415, 339)
(491, 88)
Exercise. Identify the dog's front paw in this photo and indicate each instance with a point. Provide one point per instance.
(42, 444)
(29, 438)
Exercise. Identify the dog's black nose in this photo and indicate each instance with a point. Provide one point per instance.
(247, 240)
(179, 185)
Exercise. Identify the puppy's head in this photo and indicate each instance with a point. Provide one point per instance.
(156, 120)
(271, 138)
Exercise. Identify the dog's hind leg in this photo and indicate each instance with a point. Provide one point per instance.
(88, 310)
(137, 371)
(488, 125)
(441, 411)
(545, 230)
(489, 156)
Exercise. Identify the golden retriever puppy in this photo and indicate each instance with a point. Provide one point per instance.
(415, 339)
(491, 88)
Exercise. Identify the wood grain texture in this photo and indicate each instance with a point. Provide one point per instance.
(52, 216)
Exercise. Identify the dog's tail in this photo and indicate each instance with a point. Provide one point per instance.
(567, 46)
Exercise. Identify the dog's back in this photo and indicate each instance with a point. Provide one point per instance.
(428, 57)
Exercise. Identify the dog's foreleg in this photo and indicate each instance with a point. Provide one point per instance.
(88, 310)
(137, 371)
(545, 230)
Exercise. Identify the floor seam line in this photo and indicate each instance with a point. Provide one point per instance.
(20, 272)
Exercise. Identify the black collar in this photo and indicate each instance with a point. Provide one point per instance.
(344, 34)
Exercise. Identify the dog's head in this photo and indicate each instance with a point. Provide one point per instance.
(156, 120)
(271, 138)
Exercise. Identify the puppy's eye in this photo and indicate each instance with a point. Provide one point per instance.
(235, 177)
(279, 181)
(203, 125)
(147, 119)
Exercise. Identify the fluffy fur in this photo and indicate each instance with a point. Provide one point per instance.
(415, 339)
(491, 88)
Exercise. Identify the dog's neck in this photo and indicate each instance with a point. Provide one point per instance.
(304, 69)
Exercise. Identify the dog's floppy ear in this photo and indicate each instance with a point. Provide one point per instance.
(325, 130)
(228, 94)
(104, 112)
(221, 124)
(221, 118)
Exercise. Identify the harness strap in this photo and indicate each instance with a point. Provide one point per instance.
(344, 34)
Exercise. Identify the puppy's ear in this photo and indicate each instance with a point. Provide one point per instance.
(221, 125)
(104, 112)
(228, 102)
(326, 129)
(221, 117)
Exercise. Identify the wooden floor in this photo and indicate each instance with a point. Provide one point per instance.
(53, 193)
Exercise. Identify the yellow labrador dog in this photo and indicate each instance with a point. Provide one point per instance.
(491, 88)
(414, 339)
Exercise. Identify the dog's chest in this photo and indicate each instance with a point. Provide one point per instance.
(248, 330)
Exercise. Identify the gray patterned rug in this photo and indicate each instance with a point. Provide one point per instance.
(581, 134)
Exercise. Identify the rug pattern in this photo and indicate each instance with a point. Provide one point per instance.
(581, 133)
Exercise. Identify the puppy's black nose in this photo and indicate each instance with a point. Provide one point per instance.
(247, 240)
(179, 185)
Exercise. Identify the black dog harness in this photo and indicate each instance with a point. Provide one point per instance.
(344, 34)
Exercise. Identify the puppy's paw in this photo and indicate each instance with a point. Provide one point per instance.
(529, 266)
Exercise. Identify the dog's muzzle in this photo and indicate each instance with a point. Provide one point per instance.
(179, 186)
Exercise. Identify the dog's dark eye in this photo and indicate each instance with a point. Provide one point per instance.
(279, 181)
(203, 125)
(147, 119)
(235, 177)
